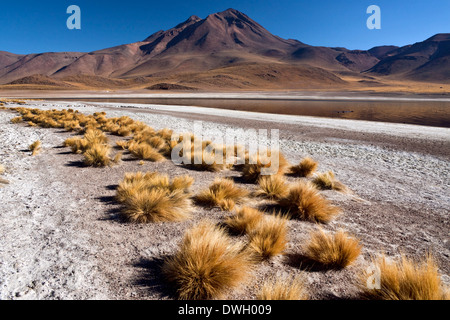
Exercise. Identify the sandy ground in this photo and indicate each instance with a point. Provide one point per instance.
(61, 236)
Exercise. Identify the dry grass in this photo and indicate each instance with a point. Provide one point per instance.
(152, 197)
(244, 220)
(16, 119)
(269, 237)
(304, 201)
(406, 279)
(182, 183)
(272, 187)
(206, 161)
(223, 193)
(157, 205)
(332, 251)
(208, 264)
(35, 147)
(145, 152)
(305, 168)
(284, 288)
(97, 155)
(123, 144)
(117, 158)
(257, 166)
(327, 181)
(2, 170)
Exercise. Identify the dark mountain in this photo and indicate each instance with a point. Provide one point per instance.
(422, 61)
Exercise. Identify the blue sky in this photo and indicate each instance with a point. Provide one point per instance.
(32, 26)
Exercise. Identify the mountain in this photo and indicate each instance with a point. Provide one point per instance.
(198, 49)
(428, 60)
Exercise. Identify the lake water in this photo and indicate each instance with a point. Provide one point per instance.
(428, 113)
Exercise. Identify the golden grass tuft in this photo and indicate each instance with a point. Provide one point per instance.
(244, 220)
(35, 147)
(205, 161)
(152, 197)
(16, 119)
(305, 168)
(97, 155)
(2, 169)
(208, 264)
(123, 144)
(254, 166)
(269, 237)
(222, 193)
(332, 251)
(272, 187)
(284, 288)
(327, 181)
(94, 136)
(117, 158)
(182, 183)
(406, 279)
(303, 201)
(157, 205)
(145, 152)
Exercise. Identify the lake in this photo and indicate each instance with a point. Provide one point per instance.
(428, 113)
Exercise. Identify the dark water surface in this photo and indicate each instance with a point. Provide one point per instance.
(428, 113)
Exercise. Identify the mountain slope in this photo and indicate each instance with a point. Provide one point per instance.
(422, 61)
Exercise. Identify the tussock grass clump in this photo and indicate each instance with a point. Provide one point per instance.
(272, 187)
(77, 144)
(152, 197)
(157, 205)
(257, 166)
(223, 193)
(117, 158)
(94, 136)
(284, 288)
(2, 169)
(16, 119)
(122, 144)
(303, 201)
(305, 168)
(35, 147)
(145, 152)
(332, 251)
(269, 237)
(208, 264)
(406, 279)
(97, 155)
(327, 181)
(244, 220)
(182, 183)
(206, 161)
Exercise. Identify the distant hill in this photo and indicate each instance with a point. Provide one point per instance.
(233, 49)
(423, 61)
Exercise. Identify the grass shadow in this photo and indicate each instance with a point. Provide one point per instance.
(150, 279)
(112, 187)
(76, 164)
(304, 263)
(241, 180)
(300, 261)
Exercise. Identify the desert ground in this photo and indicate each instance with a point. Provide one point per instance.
(62, 236)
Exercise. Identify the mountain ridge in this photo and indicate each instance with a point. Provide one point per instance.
(225, 39)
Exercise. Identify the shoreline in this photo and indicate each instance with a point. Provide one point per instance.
(250, 95)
